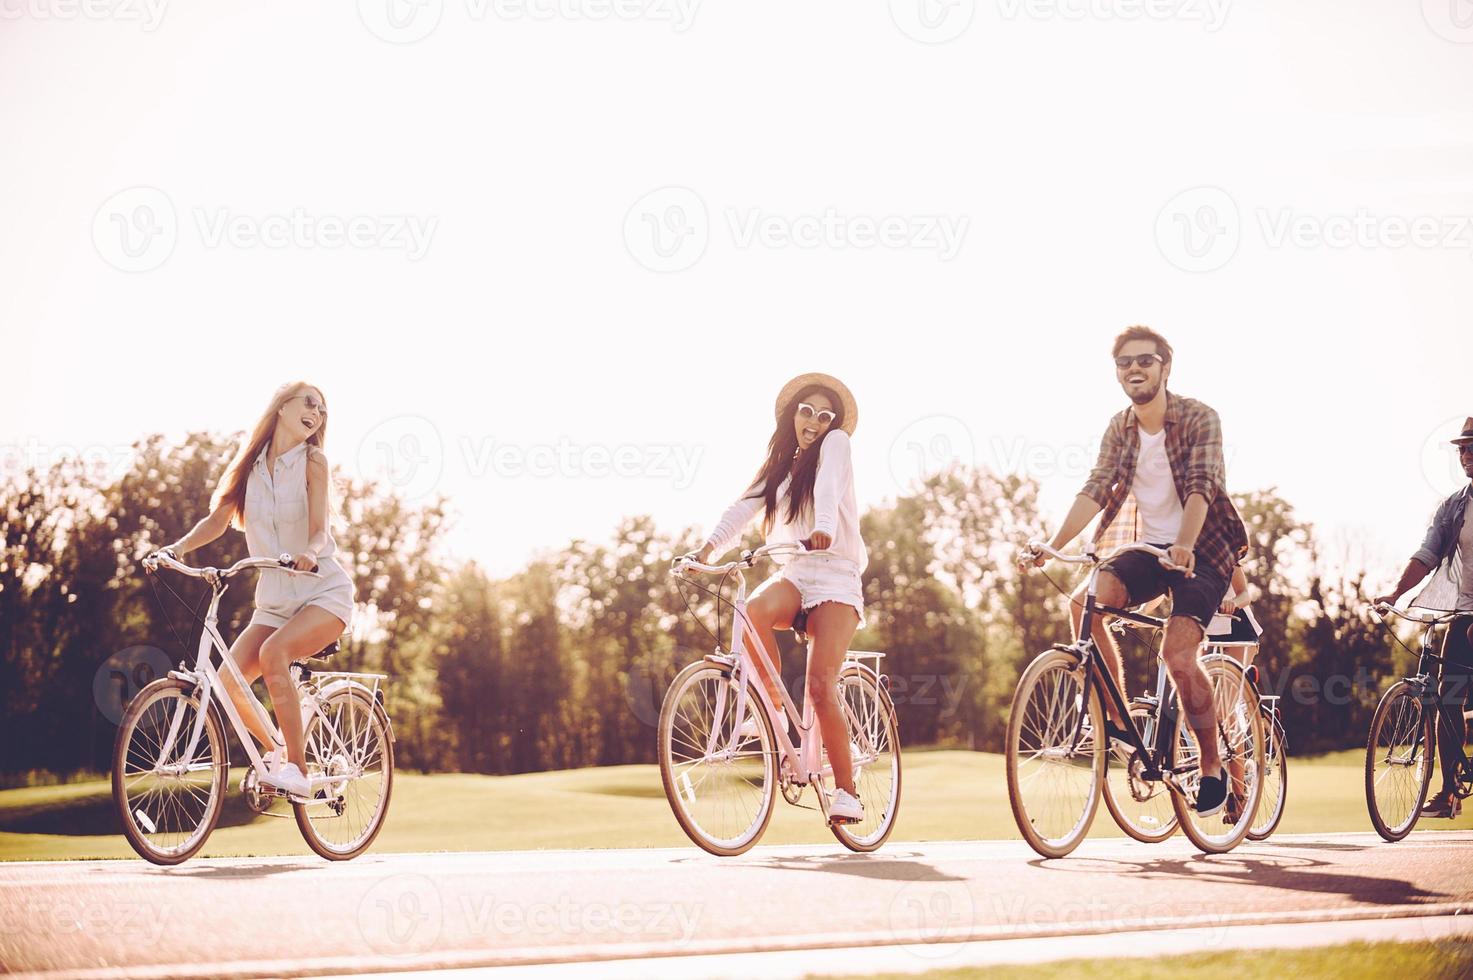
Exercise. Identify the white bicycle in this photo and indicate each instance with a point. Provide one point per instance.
(725, 752)
(171, 763)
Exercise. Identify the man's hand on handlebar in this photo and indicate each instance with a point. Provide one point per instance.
(1184, 558)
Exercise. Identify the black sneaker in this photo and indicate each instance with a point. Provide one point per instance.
(1211, 795)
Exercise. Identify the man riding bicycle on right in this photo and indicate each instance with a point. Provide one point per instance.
(1160, 479)
(1447, 551)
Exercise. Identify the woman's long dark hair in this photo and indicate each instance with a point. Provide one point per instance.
(779, 462)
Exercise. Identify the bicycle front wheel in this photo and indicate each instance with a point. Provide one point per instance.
(1399, 752)
(349, 744)
(168, 796)
(874, 747)
(1275, 779)
(1055, 762)
(1239, 734)
(721, 784)
(1140, 806)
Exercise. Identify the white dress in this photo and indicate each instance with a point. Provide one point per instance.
(276, 524)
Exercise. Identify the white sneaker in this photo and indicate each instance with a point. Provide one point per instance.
(844, 808)
(289, 778)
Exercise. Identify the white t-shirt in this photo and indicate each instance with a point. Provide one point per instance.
(835, 508)
(1155, 491)
(1465, 543)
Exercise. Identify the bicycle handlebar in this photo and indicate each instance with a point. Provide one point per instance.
(1427, 617)
(1037, 547)
(167, 560)
(748, 559)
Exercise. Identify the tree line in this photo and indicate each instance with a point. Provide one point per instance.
(564, 663)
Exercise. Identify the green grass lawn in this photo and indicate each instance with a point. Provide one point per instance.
(1352, 961)
(948, 795)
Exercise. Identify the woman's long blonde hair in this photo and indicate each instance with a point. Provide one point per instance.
(232, 488)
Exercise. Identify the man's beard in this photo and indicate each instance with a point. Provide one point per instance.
(1143, 395)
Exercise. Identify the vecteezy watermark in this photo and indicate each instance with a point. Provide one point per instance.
(568, 916)
(1210, 13)
(933, 21)
(932, 919)
(929, 445)
(669, 229)
(109, 461)
(147, 14)
(42, 919)
(138, 228)
(1451, 20)
(401, 915)
(1202, 925)
(408, 21)
(1200, 229)
(409, 453)
(1442, 467)
(121, 676)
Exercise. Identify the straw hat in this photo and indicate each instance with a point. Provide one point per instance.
(815, 379)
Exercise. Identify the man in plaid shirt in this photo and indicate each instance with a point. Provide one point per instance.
(1159, 479)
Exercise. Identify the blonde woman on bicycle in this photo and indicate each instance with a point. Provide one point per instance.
(276, 491)
(804, 491)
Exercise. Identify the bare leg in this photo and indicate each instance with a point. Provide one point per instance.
(772, 607)
(1110, 591)
(246, 652)
(831, 626)
(304, 634)
(1179, 649)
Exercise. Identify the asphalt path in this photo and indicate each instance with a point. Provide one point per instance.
(415, 912)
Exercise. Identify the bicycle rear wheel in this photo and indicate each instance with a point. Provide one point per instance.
(1141, 807)
(1275, 779)
(722, 790)
(168, 804)
(874, 740)
(1399, 750)
(1055, 762)
(354, 747)
(1239, 735)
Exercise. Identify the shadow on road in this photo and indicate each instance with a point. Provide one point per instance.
(1285, 872)
(859, 865)
(223, 872)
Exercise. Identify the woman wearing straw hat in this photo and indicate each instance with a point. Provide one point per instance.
(804, 491)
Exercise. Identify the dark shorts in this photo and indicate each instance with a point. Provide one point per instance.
(1197, 598)
(1456, 647)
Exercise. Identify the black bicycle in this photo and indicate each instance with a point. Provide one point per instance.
(1402, 744)
(1057, 752)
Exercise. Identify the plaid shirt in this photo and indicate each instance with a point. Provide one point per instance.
(1194, 449)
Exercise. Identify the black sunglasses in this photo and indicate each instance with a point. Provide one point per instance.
(1466, 449)
(1139, 360)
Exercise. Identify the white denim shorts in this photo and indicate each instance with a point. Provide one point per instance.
(825, 578)
(279, 596)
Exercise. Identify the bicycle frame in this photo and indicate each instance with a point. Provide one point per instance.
(206, 678)
(1428, 678)
(805, 758)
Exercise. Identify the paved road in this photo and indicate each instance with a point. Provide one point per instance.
(299, 917)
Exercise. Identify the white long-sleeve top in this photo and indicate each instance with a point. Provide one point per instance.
(835, 509)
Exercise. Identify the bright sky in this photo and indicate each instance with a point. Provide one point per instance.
(522, 244)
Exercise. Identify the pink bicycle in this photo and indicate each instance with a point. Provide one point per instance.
(723, 760)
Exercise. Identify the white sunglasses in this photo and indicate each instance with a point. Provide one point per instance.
(807, 411)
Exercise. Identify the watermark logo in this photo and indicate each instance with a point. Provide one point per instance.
(932, 919)
(667, 230)
(1441, 466)
(1199, 229)
(401, 915)
(933, 21)
(401, 21)
(136, 229)
(1451, 20)
(928, 446)
(122, 675)
(407, 452)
